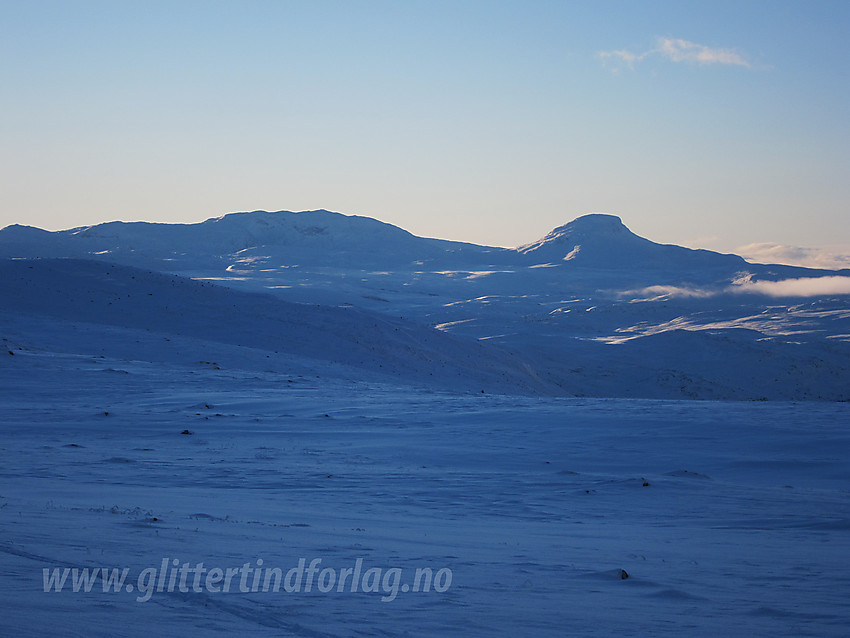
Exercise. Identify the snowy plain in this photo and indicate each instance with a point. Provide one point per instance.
(337, 433)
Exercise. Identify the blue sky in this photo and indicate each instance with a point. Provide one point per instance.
(710, 124)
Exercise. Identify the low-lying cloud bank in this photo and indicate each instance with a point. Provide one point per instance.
(801, 287)
(767, 253)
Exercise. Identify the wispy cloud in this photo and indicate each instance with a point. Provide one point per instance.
(678, 50)
(662, 292)
(626, 57)
(683, 51)
(768, 253)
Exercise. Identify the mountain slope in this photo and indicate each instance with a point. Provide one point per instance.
(100, 294)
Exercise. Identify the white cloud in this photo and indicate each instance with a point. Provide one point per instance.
(678, 50)
(767, 253)
(802, 287)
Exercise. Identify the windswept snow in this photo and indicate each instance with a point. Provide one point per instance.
(728, 518)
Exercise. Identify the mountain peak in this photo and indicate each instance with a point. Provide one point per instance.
(594, 230)
(595, 223)
(603, 241)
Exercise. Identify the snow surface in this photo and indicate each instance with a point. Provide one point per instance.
(729, 518)
(325, 416)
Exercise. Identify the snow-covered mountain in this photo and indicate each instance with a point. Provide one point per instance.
(324, 238)
(593, 308)
(603, 241)
(318, 236)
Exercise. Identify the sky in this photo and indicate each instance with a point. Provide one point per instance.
(708, 124)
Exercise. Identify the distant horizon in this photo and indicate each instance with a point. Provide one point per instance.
(834, 257)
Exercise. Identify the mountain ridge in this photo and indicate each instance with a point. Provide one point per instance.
(303, 233)
(595, 309)
(595, 240)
